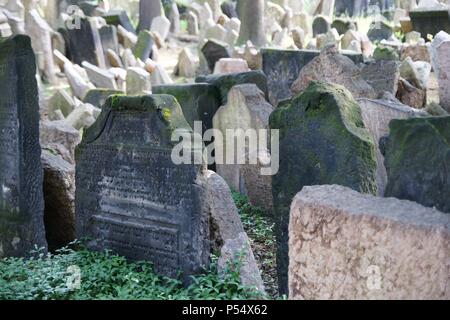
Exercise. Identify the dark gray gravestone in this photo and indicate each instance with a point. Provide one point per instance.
(341, 25)
(320, 25)
(380, 31)
(82, 43)
(320, 144)
(131, 197)
(109, 40)
(229, 9)
(430, 22)
(119, 17)
(282, 68)
(224, 82)
(199, 101)
(213, 51)
(21, 175)
(417, 159)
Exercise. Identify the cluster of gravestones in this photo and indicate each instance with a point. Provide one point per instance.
(362, 194)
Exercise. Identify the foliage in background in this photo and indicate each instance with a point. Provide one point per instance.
(108, 276)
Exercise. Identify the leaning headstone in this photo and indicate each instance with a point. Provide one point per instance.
(377, 114)
(192, 23)
(109, 40)
(186, 64)
(417, 154)
(199, 101)
(21, 197)
(138, 81)
(174, 18)
(282, 68)
(161, 25)
(77, 83)
(380, 246)
(246, 109)
(437, 40)
(61, 100)
(224, 82)
(334, 67)
(99, 77)
(320, 143)
(213, 51)
(154, 209)
(119, 18)
(229, 9)
(144, 46)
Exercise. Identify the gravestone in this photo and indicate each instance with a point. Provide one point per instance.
(341, 25)
(430, 21)
(321, 25)
(199, 101)
(213, 51)
(148, 10)
(380, 30)
(131, 197)
(85, 45)
(224, 82)
(320, 143)
(119, 18)
(377, 114)
(229, 9)
(416, 158)
(98, 97)
(21, 177)
(341, 240)
(251, 14)
(109, 40)
(144, 46)
(282, 68)
(382, 75)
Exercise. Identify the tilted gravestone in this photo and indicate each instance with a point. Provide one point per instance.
(131, 197)
(321, 25)
(21, 176)
(119, 18)
(282, 68)
(322, 141)
(430, 21)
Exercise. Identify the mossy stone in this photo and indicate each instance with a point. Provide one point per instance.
(417, 160)
(322, 141)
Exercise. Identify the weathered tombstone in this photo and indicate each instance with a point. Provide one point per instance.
(144, 46)
(131, 197)
(148, 10)
(282, 68)
(99, 77)
(40, 32)
(251, 14)
(331, 66)
(377, 114)
(246, 109)
(85, 45)
(174, 18)
(430, 21)
(224, 82)
(322, 141)
(380, 30)
(199, 101)
(213, 51)
(337, 233)
(382, 75)
(437, 40)
(119, 18)
(321, 25)
(341, 25)
(443, 65)
(417, 156)
(109, 40)
(192, 23)
(161, 25)
(21, 197)
(230, 65)
(138, 81)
